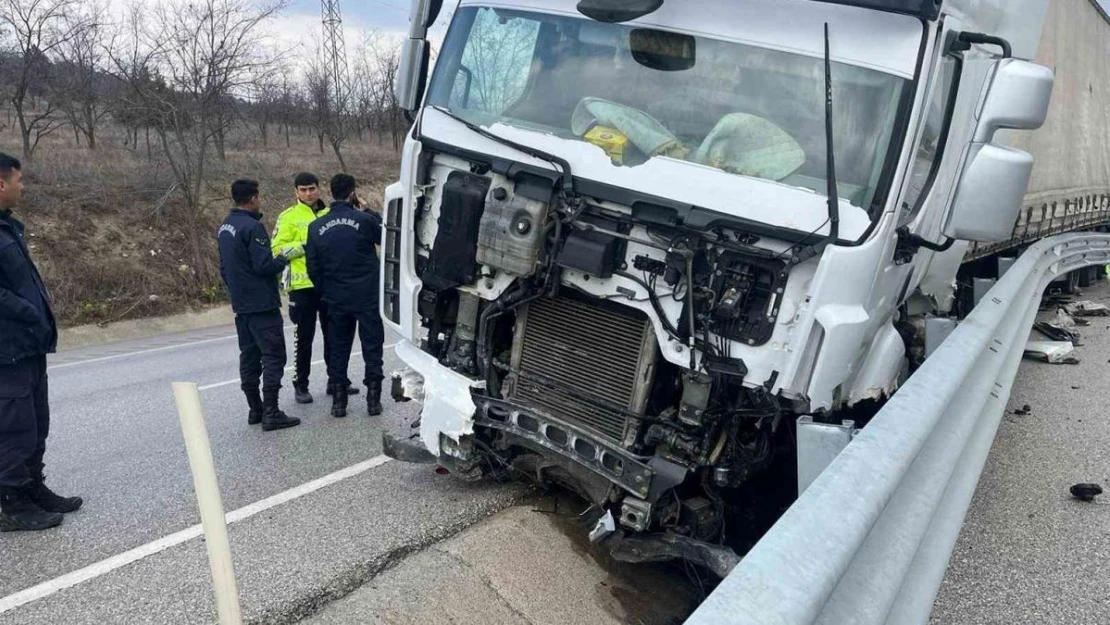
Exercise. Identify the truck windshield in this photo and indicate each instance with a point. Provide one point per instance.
(640, 93)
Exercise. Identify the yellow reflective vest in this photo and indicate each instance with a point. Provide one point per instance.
(292, 232)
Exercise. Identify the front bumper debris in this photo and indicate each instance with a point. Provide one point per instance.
(406, 449)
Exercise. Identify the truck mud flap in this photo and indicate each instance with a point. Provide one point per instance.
(406, 450)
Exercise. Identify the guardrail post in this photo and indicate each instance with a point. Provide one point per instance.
(818, 446)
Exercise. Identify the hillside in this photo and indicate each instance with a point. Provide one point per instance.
(111, 238)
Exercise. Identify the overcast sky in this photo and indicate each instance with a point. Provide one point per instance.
(363, 14)
(390, 16)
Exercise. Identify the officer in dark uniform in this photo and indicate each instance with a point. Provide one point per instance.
(251, 272)
(27, 333)
(343, 264)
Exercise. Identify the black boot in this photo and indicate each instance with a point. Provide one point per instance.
(254, 402)
(374, 398)
(46, 499)
(19, 513)
(351, 390)
(338, 401)
(272, 416)
(301, 394)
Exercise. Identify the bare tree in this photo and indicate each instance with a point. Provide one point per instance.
(186, 63)
(267, 92)
(83, 86)
(35, 30)
(314, 99)
(225, 114)
(288, 110)
(265, 105)
(329, 116)
(364, 81)
(389, 62)
(377, 63)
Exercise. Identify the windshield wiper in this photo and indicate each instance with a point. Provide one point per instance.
(566, 178)
(809, 251)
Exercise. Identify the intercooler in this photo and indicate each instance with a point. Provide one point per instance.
(588, 364)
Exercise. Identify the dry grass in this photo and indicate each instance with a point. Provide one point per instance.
(111, 246)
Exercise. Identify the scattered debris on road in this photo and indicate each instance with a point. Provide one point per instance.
(1086, 492)
(1025, 410)
(1087, 308)
(1066, 321)
(1055, 300)
(1056, 333)
(1052, 352)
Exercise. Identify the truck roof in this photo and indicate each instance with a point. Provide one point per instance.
(925, 9)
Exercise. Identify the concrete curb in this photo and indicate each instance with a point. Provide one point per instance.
(84, 336)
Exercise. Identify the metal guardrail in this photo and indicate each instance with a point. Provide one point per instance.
(869, 541)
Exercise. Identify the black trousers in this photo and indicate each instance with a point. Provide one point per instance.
(305, 306)
(24, 421)
(261, 350)
(370, 333)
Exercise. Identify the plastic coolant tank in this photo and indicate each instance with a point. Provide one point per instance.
(511, 232)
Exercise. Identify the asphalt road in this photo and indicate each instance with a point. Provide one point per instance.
(317, 513)
(133, 553)
(1030, 554)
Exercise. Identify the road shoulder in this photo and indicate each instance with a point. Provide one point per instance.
(1029, 553)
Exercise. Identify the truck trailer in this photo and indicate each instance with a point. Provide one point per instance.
(638, 248)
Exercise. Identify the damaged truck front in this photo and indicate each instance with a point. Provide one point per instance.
(634, 243)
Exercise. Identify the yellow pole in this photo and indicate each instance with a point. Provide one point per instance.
(208, 500)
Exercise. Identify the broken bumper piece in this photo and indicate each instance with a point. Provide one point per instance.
(406, 449)
(663, 547)
(447, 411)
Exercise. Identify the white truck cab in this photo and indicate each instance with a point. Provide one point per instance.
(635, 242)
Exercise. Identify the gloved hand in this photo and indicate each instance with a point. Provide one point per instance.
(290, 253)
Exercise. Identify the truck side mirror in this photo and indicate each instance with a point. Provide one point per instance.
(1017, 98)
(424, 14)
(412, 72)
(994, 178)
(988, 196)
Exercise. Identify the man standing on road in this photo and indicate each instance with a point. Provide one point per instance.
(343, 264)
(305, 305)
(27, 334)
(251, 272)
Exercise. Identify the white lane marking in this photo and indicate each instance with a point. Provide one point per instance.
(289, 368)
(120, 560)
(143, 351)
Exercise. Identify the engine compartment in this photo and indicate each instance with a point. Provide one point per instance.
(562, 308)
